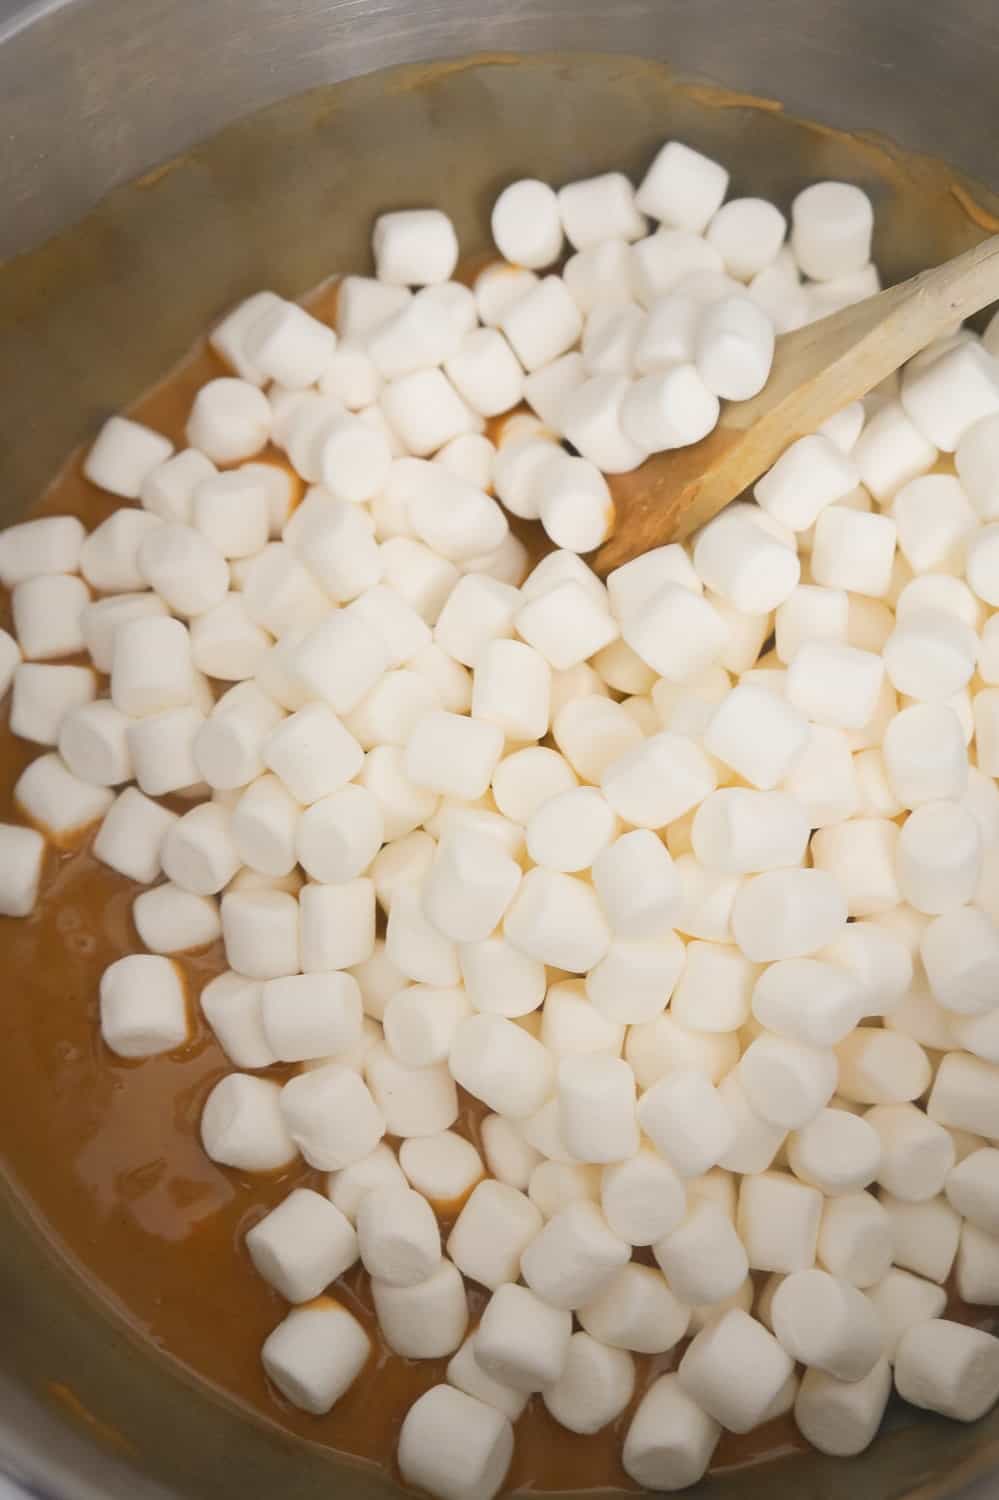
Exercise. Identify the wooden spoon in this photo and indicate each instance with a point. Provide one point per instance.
(817, 370)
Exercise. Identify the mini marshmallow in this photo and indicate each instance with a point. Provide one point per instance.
(743, 832)
(861, 855)
(397, 1236)
(93, 741)
(787, 914)
(734, 348)
(842, 1417)
(340, 661)
(573, 1258)
(938, 857)
(599, 208)
(946, 396)
(636, 1311)
(466, 1374)
(565, 625)
(242, 1125)
(455, 1446)
(555, 1184)
(523, 781)
(831, 227)
(542, 324)
(703, 1259)
(855, 1239)
(316, 1354)
(491, 1233)
(347, 1187)
(734, 1369)
(499, 1063)
(415, 1101)
(302, 1245)
(973, 1189)
(229, 420)
(232, 1007)
(891, 451)
(143, 1006)
(948, 1368)
(686, 1119)
(836, 1152)
(925, 756)
(903, 1301)
(414, 247)
(337, 837)
(974, 460)
(227, 748)
(161, 749)
(260, 928)
(676, 632)
(778, 1222)
(595, 734)
(714, 991)
(658, 781)
(48, 616)
(43, 696)
(853, 551)
(123, 454)
(22, 856)
(808, 1000)
(312, 753)
(635, 882)
(706, 900)
(59, 803)
(388, 713)
(571, 1024)
(338, 925)
(479, 611)
(50, 544)
(977, 1267)
(738, 559)
(508, 1156)
(964, 1095)
(445, 1168)
(671, 1439)
(757, 734)
(610, 336)
(960, 952)
(811, 614)
(280, 595)
(420, 1023)
(935, 521)
(924, 1235)
(424, 1321)
(418, 575)
(930, 655)
(592, 416)
(823, 777)
(881, 1067)
(311, 1015)
(412, 942)
(827, 1324)
(501, 980)
(595, 1386)
(682, 187)
(169, 920)
(835, 684)
(187, 570)
(331, 1116)
(642, 1198)
(264, 824)
(131, 836)
(288, 345)
(522, 1341)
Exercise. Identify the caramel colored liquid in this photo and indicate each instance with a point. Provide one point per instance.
(109, 1153)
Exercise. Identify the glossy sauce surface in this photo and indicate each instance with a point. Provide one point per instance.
(109, 1154)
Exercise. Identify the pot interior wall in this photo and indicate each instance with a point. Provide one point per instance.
(283, 200)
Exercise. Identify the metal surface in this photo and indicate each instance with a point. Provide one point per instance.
(93, 93)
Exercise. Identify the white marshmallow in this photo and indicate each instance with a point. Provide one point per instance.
(363, 303)
(972, 1189)
(508, 1156)
(925, 755)
(229, 420)
(444, 1167)
(787, 914)
(964, 1096)
(499, 1063)
(557, 920)
(676, 632)
(827, 1324)
(946, 396)
(565, 625)
(938, 857)
(227, 749)
(415, 1101)
(168, 490)
(242, 1125)
(123, 455)
(595, 1386)
(22, 856)
(143, 1006)
(592, 416)
(599, 208)
(853, 551)
(948, 1368)
(636, 1311)
(891, 451)
(260, 928)
(682, 187)
(48, 616)
(706, 900)
(757, 734)
(424, 1321)
(881, 1067)
(491, 1233)
(264, 824)
(935, 521)
(302, 1245)
(595, 734)
(414, 247)
(930, 655)
(855, 1239)
(823, 777)
(169, 920)
(455, 1446)
(977, 1267)
(715, 990)
(734, 1369)
(903, 1301)
(388, 713)
(413, 571)
(347, 1187)
(478, 611)
(60, 804)
(831, 227)
(835, 684)
(573, 1258)
(836, 1152)
(778, 1222)
(542, 324)
(808, 1000)
(501, 980)
(311, 1015)
(131, 836)
(232, 1007)
(571, 1024)
(50, 544)
(338, 925)
(523, 781)
(337, 837)
(161, 748)
(741, 561)
(469, 887)
(861, 855)
(522, 1341)
(555, 1184)
(403, 804)
(44, 695)
(742, 832)
(420, 1023)
(397, 1236)
(610, 336)
(186, 569)
(703, 1259)
(643, 1199)
(331, 1116)
(842, 1417)
(93, 741)
(924, 1235)
(960, 951)
(974, 460)
(316, 1354)
(636, 884)
(811, 614)
(686, 1119)
(671, 1439)
(465, 1373)
(658, 781)
(734, 348)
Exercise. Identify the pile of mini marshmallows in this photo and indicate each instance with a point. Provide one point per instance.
(708, 925)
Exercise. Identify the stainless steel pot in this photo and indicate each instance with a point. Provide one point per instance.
(94, 93)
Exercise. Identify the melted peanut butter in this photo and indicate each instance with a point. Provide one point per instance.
(108, 1151)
